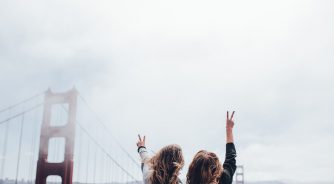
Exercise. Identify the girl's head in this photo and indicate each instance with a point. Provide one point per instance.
(205, 168)
(166, 165)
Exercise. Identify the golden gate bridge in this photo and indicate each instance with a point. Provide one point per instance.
(68, 142)
(57, 138)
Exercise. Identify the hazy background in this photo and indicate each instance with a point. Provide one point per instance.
(170, 70)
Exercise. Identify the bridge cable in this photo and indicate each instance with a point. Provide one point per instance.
(108, 130)
(19, 152)
(100, 146)
(4, 150)
(94, 171)
(87, 164)
(33, 147)
(21, 113)
(21, 102)
(103, 150)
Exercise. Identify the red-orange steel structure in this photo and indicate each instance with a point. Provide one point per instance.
(63, 169)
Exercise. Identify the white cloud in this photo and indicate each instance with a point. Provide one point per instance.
(171, 70)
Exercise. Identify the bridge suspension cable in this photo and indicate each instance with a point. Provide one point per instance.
(105, 152)
(79, 124)
(19, 152)
(21, 102)
(14, 120)
(108, 161)
(109, 132)
(21, 113)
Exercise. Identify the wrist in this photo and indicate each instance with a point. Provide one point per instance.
(229, 129)
(229, 140)
(139, 147)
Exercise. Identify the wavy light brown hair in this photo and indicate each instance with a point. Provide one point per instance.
(166, 165)
(204, 169)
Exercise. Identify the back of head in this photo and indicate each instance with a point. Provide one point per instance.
(204, 169)
(166, 165)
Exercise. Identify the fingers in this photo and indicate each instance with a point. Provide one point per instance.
(227, 115)
(139, 137)
(232, 115)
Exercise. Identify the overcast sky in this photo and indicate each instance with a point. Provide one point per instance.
(170, 70)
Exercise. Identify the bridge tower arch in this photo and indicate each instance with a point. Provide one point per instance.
(63, 169)
(239, 175)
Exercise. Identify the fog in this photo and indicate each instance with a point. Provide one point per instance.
(170, 70)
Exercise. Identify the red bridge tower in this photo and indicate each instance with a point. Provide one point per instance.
(63, 169)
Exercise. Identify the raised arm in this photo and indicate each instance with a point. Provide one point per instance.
(230, 162)
(142, 148)
(144, 156)
(229, 128)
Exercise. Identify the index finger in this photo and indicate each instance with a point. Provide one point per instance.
(139, 137)
(144, 138)
(232, 115)
(227, 115)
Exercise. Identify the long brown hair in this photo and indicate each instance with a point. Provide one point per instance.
(166, 165)
(204, 169)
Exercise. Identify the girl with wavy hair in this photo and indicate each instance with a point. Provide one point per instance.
(164, 166)
(206, 167)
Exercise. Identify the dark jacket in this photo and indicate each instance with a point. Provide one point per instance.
(229, 164)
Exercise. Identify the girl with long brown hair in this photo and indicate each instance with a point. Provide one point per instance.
(164, 166)
(206, 167)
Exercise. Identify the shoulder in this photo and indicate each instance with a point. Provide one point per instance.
(225, 178)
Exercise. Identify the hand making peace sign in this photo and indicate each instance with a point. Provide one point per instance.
(141, 142)
(229, 121)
